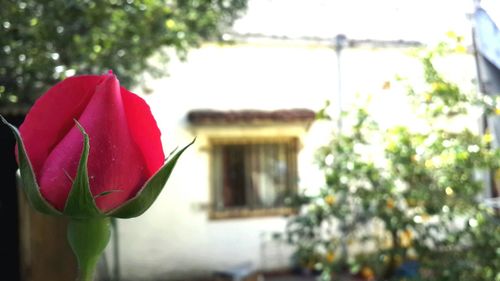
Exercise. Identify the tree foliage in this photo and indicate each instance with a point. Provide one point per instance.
(412, 211)
(45, 41)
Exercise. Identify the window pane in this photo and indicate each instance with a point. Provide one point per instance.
(233, 171)
(266, 176)
(253, 175)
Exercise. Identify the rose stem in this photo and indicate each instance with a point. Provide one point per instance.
(88, 239)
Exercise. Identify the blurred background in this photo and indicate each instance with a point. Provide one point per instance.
(336, 140)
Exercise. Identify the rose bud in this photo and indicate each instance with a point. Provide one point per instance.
(89, 147)
(89, 150)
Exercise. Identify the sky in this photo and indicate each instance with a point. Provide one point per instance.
(420, 20)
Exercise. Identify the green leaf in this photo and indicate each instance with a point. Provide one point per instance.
(28, 178)
(149, 192)
(80, 202)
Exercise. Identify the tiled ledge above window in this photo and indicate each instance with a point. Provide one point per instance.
(250, 117)
(250, 213)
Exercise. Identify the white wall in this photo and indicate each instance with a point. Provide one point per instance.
(175, 237)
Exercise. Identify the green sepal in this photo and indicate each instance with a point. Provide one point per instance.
(80, 202)
(149, 192)
(28, 179)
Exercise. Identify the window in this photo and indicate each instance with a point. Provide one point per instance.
(252, 177)
(252, 158)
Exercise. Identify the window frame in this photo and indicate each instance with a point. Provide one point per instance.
(249, 212)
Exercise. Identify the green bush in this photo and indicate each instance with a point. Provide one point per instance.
(403, 204)
(43, 42)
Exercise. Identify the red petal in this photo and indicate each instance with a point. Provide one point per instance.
(144, 130)
(115, 161)
(51, 117)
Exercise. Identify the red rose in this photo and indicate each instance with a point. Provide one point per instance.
(90, 150)
(125, 146)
